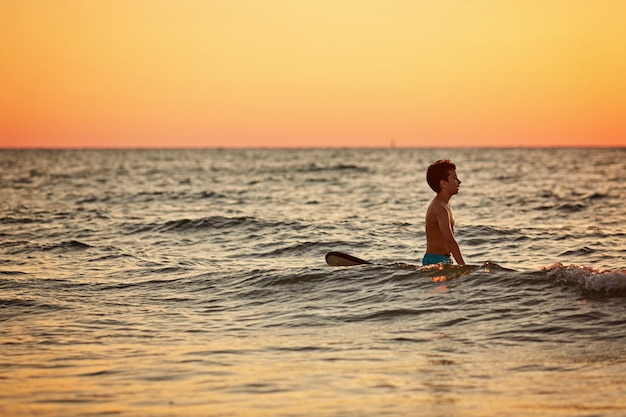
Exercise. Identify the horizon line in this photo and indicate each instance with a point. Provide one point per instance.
(137, 148)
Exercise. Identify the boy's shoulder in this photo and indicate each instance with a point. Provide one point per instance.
(436, 206)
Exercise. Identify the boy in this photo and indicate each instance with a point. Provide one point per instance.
(440, 241)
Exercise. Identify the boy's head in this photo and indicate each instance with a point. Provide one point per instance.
(439, 171)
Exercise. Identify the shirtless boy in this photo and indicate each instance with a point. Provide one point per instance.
(440, 241)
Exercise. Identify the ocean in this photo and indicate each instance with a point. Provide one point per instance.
(193, 283)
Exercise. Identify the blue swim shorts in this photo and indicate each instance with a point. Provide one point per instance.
(431, 258)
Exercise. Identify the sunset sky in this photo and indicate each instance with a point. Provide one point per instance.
(312, 73)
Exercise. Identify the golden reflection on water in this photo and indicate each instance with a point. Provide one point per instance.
(275, 376)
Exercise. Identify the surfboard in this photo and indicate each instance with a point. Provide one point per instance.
(343, 259)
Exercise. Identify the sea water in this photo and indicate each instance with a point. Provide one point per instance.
(193, 283)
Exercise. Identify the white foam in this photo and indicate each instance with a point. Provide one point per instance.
(588, 278)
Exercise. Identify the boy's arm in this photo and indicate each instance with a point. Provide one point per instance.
(443, 220)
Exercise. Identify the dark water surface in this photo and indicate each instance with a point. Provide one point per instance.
(193, 283)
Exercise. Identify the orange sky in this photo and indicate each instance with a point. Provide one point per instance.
(222, 73)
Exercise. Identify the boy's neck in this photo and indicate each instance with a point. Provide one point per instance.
(443, 197)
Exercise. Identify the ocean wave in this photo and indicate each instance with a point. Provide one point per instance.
(11, 308)
(337, 167)
(596, 196)
(23, 246)
(222, 223)
(67, 246)
(302, 278)
(297, 249)
(13, 244)
(581, 251)
(608, 282)
(11, 272)
(18, 220)
(384, 314)
(150, 283)
(571, 207)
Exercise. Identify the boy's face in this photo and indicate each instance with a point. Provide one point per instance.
(451, 185)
